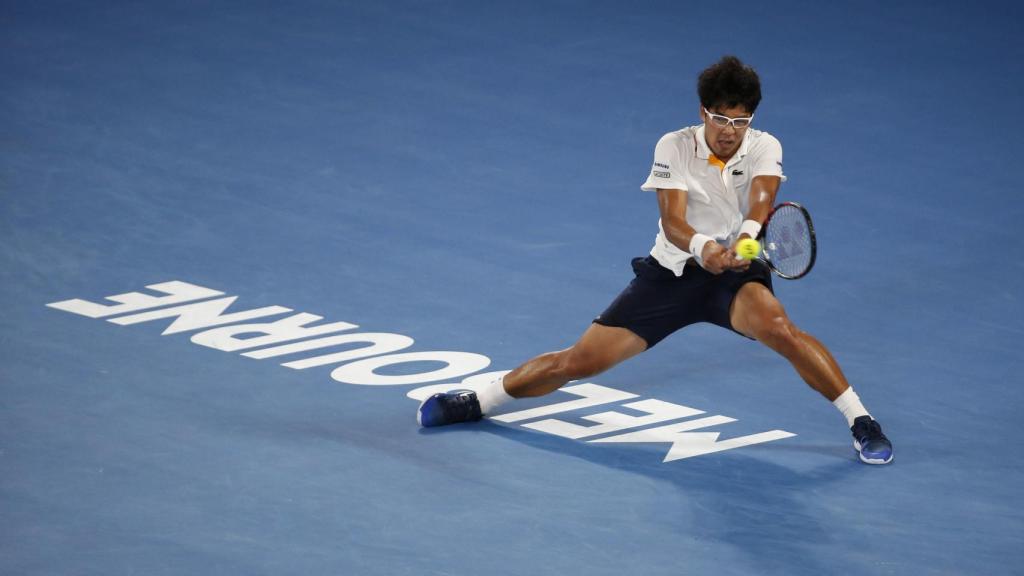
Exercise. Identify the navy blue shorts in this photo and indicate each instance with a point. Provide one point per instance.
(657, 302)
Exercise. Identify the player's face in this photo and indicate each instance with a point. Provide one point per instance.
(724, 141)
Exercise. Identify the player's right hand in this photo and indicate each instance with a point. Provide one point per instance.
(716, 259)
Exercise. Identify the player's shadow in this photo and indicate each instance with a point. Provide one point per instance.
(763, 510)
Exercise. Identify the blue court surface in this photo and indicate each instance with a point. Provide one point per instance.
(447, 189)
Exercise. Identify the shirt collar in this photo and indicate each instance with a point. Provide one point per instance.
(703, 151)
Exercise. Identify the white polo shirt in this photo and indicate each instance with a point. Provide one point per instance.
(717, 195)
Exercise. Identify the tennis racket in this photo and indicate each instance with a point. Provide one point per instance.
(787, 240)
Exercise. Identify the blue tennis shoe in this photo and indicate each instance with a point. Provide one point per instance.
(449, 408)
(870, 442)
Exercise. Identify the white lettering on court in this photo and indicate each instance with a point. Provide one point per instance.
(290, 328)
(378, 343)
(199, 315)
(194, 307)
(456, 364)
(177, 292)
(657, 411)
(687, 444)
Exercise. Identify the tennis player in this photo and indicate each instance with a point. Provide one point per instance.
(715, 183)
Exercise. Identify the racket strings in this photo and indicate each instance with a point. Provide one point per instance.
(788, 241)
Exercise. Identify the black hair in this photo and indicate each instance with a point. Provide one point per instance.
(729, 83)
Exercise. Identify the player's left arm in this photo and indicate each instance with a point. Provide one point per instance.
(763, 190)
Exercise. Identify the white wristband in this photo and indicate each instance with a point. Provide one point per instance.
(697, 243)
(750, 228)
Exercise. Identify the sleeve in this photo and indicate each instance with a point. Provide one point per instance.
(768, 161)
(668, 170)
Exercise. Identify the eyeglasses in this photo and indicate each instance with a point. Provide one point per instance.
(723, 121)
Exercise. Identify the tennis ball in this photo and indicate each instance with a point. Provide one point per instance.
(748, 248)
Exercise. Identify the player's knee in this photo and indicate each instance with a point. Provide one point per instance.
(576, 363)
(779, 333)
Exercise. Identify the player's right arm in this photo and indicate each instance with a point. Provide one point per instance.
(714, 258)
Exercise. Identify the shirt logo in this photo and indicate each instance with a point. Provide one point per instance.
(737, 172)
(662, 174)
(660, 165)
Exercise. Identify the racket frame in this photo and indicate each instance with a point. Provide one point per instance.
(810, 232)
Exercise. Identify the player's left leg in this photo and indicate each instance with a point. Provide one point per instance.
(756, 313)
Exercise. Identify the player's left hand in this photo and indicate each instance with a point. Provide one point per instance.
(716, 259)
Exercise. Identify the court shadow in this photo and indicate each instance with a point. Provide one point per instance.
(764, 510)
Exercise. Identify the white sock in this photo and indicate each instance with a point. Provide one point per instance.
(849, 404)
(492, 395)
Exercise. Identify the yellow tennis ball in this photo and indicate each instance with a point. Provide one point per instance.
(748, 248)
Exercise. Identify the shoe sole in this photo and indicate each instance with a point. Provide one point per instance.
(419, 413)
(876, 461)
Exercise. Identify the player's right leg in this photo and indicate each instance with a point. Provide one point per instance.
(600, 348)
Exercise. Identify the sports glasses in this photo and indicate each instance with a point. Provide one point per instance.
(723, 121)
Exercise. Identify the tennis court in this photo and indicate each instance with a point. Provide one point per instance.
(452, 188)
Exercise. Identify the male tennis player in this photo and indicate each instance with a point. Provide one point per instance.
(715, 183)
